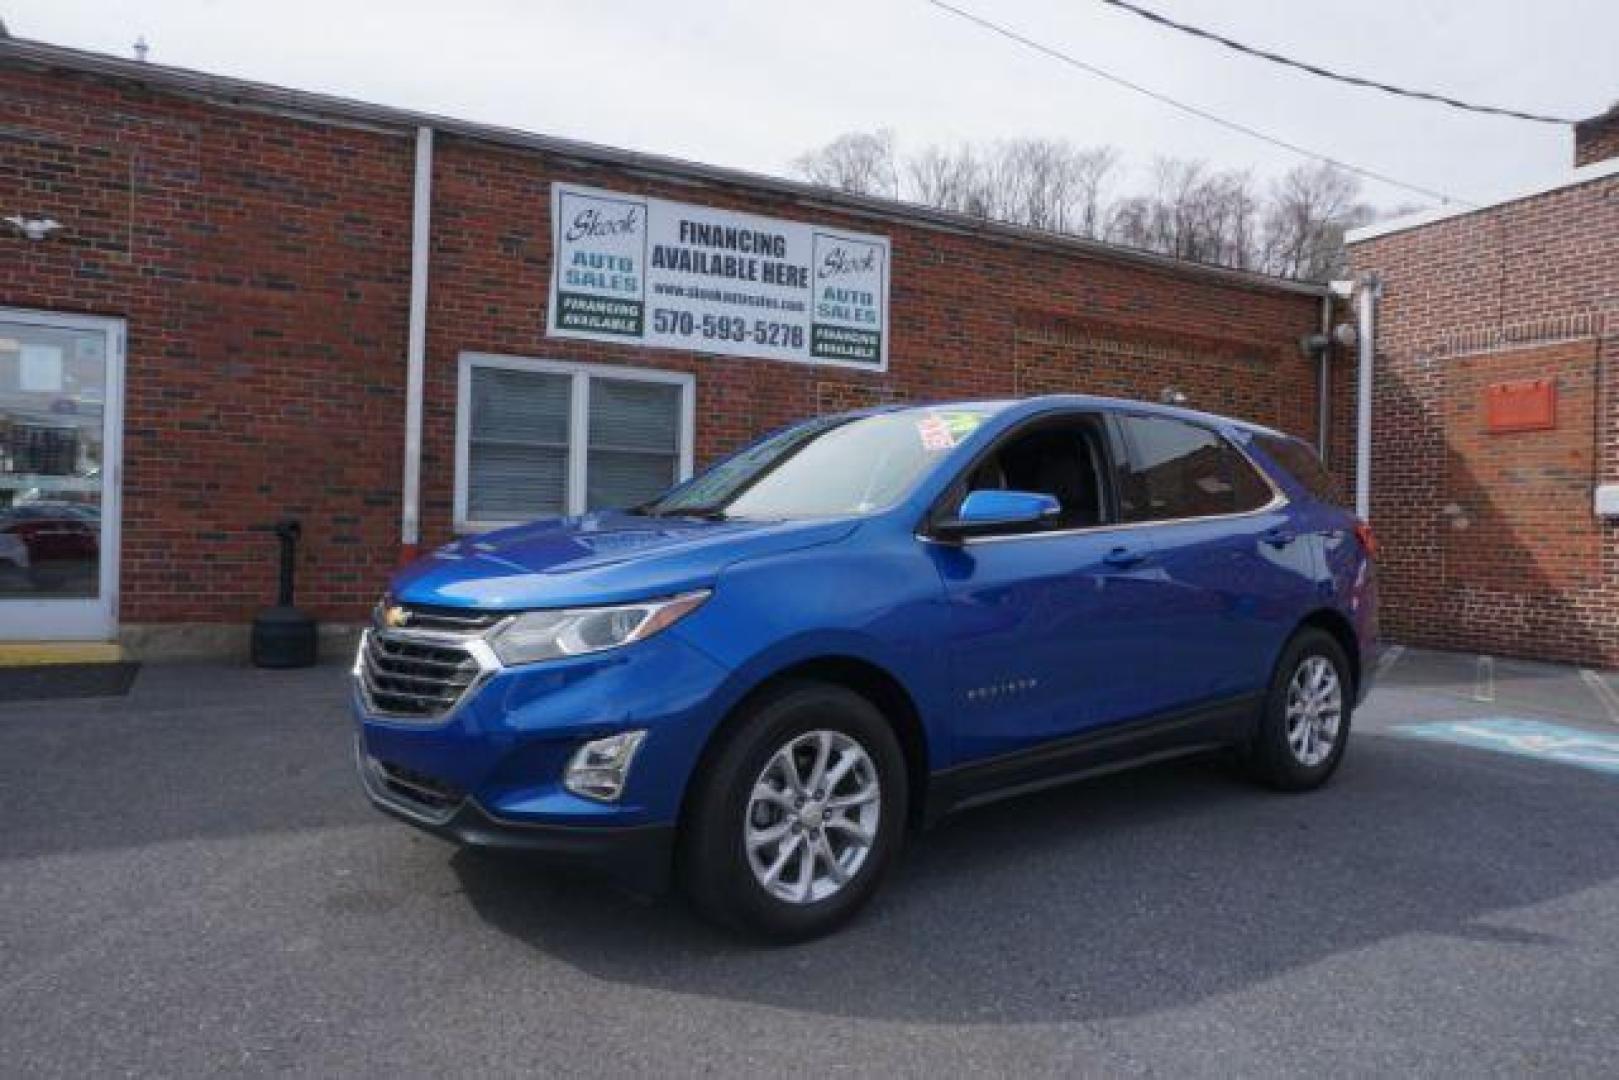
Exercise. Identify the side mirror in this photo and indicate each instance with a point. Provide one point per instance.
(984, 513)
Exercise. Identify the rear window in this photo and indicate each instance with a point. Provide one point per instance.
(1300, 460)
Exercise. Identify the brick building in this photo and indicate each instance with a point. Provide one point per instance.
(1597, 139)
(228, 303)
(1496, 418)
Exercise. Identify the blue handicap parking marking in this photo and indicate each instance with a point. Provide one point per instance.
(1526, 738)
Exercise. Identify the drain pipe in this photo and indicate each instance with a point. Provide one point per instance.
(1369, 289)
(1323, 378)
(421, 224)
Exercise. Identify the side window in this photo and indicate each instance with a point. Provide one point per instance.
(1178, 470)
(1251, 489)
(1062, 458)
(1306, 467)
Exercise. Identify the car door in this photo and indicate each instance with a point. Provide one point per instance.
(1045, 629)
(1239, 575)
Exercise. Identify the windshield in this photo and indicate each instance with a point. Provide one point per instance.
(831, 466)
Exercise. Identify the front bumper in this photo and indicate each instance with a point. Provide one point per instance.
(639, 857)
(489, 772)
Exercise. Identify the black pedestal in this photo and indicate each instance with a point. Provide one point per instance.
(284, 637)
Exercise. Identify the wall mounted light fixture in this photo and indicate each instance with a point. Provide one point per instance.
(33, 228)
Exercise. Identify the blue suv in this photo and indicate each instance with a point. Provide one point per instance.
(761, 682)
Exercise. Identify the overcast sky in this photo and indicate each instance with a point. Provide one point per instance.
(751, 83)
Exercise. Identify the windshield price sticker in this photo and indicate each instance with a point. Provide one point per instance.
(672, 275)
(945, 430)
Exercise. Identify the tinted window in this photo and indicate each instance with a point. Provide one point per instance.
(1301, 461)
(1250, 488)
(1178, 470)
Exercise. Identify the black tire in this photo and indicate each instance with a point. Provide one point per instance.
(1271, 758)
(714, 866)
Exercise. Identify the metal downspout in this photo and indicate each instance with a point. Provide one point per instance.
(421, 224)
(1366, 296)
(1324, 378)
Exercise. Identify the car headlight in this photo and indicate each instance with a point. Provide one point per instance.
(551, 635)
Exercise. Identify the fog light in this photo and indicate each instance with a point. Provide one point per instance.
(600, 767)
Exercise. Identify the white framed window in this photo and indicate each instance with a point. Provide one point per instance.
(541, 437)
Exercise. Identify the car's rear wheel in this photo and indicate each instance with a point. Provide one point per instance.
(1304, 729)
(797, 816)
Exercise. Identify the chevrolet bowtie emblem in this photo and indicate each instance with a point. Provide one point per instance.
(395, 616)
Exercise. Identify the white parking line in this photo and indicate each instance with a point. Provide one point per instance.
(1390, 657)
(1484, 679)
(1605, 694)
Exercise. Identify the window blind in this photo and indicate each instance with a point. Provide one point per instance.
(634, 443)
(517, 452)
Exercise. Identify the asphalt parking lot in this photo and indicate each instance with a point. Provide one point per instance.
(191, 882)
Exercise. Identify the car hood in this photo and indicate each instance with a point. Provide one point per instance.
(600, 558)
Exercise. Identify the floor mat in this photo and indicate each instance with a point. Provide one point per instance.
(44, 682)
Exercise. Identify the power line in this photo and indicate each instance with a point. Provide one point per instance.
(1325, 73)
(1194, 110)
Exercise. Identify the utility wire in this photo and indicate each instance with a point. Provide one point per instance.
(1194, 110)
(1325, 73)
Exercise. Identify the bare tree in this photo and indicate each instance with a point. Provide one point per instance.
(1228, 220)
(1093, 169)
(1191, 212)
(1131, 222)
(1309, 210)
(1031, 178)
(1188, 209)
(1041, 183)
(950, 180)
(1051, 184)
(859, 162)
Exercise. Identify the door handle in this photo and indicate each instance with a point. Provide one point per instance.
(1123, 558)
(1279, 537)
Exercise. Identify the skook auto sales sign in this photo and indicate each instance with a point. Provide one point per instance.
(675, 276)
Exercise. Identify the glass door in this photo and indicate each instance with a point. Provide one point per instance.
(60, 396)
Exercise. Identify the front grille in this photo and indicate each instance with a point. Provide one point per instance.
(419, 663)
(418, 788)
(414, 677)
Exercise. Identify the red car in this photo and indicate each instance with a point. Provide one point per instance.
(55, 535)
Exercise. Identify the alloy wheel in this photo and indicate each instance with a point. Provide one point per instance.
(1315, 709)
(812, 817)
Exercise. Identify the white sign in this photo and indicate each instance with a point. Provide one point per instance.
(670, 275)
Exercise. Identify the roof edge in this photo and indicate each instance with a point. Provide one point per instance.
(326, 106)
(1584, 174)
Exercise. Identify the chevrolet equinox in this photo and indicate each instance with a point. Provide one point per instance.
(759, 684)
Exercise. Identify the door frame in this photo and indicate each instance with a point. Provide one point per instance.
(46, 619)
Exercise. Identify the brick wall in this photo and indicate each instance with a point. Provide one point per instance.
(1597, 139)
(262, 263)
(1490, 541)
(1232, 375)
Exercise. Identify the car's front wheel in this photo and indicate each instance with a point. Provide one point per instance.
(1304, 729)
(797, 816)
